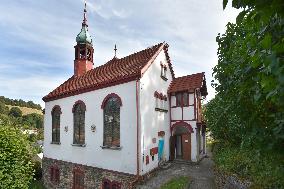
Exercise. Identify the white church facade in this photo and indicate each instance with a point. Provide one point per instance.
(106, 127)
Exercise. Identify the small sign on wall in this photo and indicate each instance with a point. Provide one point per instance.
(186, 141)
(147, 160)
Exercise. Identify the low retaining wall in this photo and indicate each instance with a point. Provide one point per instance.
(93, 177)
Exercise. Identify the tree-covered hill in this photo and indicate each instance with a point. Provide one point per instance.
(25, 115)
(19, 102)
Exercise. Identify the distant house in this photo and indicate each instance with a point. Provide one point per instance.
(106, 126)
(30, 131)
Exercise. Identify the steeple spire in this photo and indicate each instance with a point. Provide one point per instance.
(115, 49)
(84, 49)
(85, 15)
(84, 37)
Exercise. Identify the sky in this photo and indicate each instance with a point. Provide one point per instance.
(37, 38)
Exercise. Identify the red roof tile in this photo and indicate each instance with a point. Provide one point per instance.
(185, 83)
(115, 71)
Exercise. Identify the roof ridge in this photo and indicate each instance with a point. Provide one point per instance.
(115, 71)
(190, 75)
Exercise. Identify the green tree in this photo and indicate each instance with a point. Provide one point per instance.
(15, 112)
(33, 120)
(16, 168)
(3, 109)
(250, 71)
(247, 114)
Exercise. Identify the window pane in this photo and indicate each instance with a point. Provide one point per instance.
(112, 122)
(185, 99)
(55, 125)
(178, 99)
(79, 124)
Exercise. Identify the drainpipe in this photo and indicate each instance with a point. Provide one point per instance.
(137, 135)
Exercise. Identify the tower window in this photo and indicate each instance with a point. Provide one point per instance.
(82, 54)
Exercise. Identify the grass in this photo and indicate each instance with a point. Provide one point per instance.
(26, 110)
(36, 185)
(176, 183)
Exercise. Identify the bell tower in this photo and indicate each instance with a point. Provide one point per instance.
(84, 49)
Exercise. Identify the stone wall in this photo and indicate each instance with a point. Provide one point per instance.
(92, 176)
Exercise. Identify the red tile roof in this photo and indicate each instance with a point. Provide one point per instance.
(114, 72)
(186, 83)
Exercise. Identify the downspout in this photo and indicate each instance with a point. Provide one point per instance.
(170, 108)
(137, 135)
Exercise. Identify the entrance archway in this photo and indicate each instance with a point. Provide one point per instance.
(180, 141)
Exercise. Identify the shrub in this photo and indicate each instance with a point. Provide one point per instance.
(38, 170)
(16, 168)
(15, 112)
(3, 108)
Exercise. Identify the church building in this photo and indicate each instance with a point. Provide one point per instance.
(108, 126)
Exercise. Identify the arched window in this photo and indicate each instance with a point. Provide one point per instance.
(55, 114)
(111, 106)
(78, 179)
(79, 109)
(106, 184)
(54, 174)
(111, 185)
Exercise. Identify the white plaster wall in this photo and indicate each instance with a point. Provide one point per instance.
(188, 113)
(153, 121)
(177, 113)
(123, 160)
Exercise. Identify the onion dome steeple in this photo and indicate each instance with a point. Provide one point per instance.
(84, 37)
(84, 49)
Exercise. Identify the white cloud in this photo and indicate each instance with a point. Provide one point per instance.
(190, 27)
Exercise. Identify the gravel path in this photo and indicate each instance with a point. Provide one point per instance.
(201, 175)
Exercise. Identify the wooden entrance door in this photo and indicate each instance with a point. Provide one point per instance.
(172, 147)
(186, 146)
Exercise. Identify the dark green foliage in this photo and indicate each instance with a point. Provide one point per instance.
(38, 170)
(36, 185)
(16, 168)
(21, 103)
(32, 138)
(15, 112)
(247, 114)
(3, 109)
(4, 119)
(250, 73)
(265, 170)
(33, 120)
